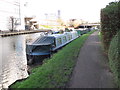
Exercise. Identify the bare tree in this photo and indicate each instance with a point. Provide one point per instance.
(12, 23)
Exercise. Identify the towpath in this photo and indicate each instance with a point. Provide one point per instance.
(91, 70)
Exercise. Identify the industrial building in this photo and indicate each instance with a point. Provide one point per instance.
(11, 17)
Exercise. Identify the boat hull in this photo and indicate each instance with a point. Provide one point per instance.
(31, 59)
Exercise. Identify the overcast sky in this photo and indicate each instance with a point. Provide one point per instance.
(88, 10)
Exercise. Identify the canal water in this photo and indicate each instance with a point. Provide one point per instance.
(13, 62)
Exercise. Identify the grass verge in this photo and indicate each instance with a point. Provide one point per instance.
(100, 36)
(55, 72)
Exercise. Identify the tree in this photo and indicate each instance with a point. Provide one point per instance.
(13, 22)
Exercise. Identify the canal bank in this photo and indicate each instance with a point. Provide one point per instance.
(12, 33)
(56, 71)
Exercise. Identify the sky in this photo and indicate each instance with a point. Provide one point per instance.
(87, 10)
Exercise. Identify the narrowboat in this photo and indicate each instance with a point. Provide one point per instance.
(44, 46)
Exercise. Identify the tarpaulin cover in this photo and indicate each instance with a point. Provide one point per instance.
(44, 40)
(42, 44)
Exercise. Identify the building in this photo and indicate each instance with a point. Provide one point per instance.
(52, 21)
(74, 22)
(31, 23)
(11, 17)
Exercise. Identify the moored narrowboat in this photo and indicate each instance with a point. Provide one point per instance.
(44, 46)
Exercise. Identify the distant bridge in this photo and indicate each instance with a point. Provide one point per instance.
(92, 24)
(89, 25)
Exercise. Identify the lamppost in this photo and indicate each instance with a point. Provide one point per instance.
(46, 17)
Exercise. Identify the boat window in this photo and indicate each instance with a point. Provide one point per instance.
(59, 41)
(64, 39)
(69, 37)
(53, 45)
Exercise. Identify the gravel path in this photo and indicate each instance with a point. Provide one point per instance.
(91, 70)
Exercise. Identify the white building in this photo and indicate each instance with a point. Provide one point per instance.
(11, 17)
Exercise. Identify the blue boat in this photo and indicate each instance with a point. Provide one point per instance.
(44, 46)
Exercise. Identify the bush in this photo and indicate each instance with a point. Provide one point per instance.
(114, 57)
(110, 23)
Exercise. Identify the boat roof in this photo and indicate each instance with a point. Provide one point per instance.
(59, 35)
(56, 35)
(46, 40)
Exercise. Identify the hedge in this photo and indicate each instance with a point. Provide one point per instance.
(110, 32)
(110, 23)
(114, 57)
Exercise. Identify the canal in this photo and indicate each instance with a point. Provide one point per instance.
(13, 62)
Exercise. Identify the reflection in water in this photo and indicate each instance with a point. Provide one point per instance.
(13, 63)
